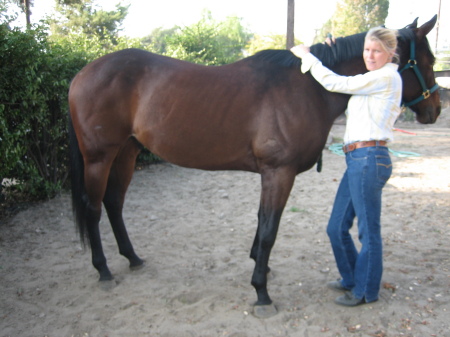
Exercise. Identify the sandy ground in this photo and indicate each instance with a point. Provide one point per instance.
(195, 230)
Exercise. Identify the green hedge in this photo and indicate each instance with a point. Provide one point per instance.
(34, 78)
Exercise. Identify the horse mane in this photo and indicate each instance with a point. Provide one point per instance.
(345, 48)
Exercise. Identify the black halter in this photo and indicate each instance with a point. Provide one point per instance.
(412, 63)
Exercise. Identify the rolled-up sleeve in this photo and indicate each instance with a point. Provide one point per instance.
(307, 62)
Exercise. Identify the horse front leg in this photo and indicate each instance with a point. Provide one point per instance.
(276, 186)
(254, 250)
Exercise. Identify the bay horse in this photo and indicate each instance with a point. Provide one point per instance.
(260, 114)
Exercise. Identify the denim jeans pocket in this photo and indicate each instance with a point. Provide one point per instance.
(384, 168)
(359, 155)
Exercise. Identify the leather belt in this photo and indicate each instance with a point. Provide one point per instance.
(357, 145)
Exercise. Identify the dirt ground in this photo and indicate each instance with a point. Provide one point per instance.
(195, 229)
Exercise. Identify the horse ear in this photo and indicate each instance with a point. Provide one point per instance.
(426, 27)
(413, 24)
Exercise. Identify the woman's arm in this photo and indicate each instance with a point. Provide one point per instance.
(360, 84)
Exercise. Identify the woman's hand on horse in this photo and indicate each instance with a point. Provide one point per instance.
(300, 50)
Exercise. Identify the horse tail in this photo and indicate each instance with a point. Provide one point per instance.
(79, 196)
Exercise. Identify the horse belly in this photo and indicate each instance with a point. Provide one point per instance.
(208, 147)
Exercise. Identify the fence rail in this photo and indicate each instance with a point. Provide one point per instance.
(442, 73)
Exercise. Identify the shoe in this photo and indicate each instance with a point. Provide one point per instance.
(349, 300)
(337, 285)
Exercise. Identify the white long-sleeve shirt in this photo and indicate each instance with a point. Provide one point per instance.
(375, 102)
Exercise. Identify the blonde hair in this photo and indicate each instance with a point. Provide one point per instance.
(387, 38)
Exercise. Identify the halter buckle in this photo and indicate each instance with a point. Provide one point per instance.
(426, 94)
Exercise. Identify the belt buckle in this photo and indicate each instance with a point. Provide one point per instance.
(349, 147)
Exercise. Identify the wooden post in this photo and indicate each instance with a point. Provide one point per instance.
(290, 24)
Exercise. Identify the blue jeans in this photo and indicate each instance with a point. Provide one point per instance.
(359, 194)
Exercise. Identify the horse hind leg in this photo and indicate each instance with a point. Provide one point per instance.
(89, 177)
(95, 183)
(118, 181)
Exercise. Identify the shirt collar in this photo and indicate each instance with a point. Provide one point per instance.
(393, 66)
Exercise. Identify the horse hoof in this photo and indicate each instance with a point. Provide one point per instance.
(264, 311)
(107, 285)
(137, 266)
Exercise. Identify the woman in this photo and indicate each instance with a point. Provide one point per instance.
(371, 113)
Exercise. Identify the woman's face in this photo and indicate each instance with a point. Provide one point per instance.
(375, 56)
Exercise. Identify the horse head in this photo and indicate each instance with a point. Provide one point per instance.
(416, 67)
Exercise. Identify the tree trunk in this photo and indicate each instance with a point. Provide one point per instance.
(290, 24)
(26, 6)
